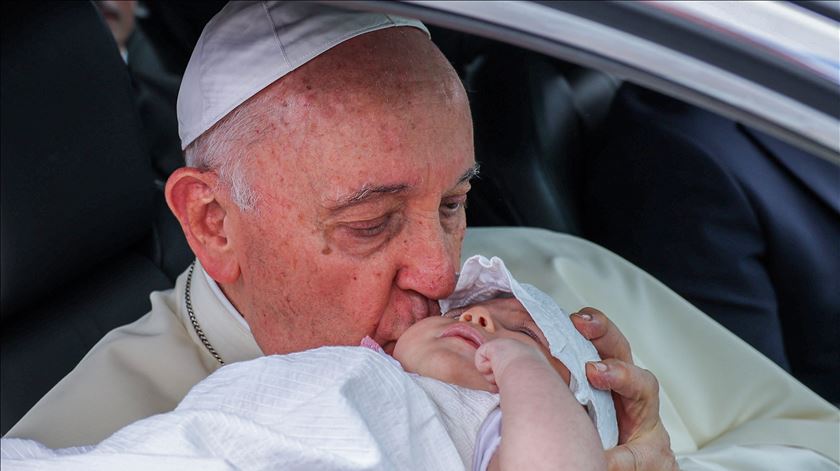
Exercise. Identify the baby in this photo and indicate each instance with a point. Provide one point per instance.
(495, 346)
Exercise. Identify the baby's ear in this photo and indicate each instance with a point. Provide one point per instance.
(563, 372)
(567, 376)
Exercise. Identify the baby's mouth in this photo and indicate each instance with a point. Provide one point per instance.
(465, 332)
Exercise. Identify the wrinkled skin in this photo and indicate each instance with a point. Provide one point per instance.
(309, 267)
(643, 442)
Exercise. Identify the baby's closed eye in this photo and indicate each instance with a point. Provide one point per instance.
(530, 333)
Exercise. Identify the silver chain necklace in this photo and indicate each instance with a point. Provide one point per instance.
(194, 321)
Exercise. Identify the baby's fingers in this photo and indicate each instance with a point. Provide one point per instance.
(482, 361)
(483, 365)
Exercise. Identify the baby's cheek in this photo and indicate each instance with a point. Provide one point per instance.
(401, 355)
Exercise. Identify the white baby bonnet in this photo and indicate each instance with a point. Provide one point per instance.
(482, 279)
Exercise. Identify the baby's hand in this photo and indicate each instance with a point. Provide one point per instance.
(495, 356)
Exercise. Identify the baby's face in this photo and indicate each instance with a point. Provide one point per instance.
(444, 347)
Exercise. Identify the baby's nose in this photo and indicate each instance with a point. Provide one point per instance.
(479, 316)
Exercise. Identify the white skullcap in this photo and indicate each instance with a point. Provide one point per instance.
(249, 45)
(482, 279)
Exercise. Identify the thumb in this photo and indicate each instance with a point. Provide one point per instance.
(647, 454)
(622, 458)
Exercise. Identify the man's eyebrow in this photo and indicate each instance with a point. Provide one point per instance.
(369, 192)
(365, 193)
(471, 173)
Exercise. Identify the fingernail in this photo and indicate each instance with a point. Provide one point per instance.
(602, 367)
(583, 315)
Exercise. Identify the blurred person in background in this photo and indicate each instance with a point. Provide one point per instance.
(155, 89)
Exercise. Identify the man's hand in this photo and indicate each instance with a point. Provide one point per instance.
(643, 442)
(495, 356)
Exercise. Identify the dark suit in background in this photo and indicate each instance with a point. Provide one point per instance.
(744, 226)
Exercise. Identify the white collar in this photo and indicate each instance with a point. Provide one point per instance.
(214, 287)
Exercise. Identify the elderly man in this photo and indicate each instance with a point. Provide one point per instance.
(329, 158)
(324, 201)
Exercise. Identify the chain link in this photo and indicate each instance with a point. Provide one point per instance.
(194, 321)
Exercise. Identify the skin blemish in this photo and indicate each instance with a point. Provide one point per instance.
(326, 251)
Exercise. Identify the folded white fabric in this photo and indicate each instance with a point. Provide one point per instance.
(249, 45)
(482, 279)
(332, 408)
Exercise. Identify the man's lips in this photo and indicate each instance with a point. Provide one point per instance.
(419, 307)
(464, 331)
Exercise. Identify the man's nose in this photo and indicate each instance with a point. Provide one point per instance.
(480, 317)
(430, 258)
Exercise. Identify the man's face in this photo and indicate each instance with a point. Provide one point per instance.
(444, 347)
(361, 216)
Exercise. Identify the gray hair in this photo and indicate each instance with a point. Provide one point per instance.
(223, 149)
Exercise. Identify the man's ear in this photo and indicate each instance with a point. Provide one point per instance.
(192, 196)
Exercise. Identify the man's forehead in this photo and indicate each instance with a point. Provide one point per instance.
(395, 92)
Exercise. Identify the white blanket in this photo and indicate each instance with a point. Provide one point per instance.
(347, 408)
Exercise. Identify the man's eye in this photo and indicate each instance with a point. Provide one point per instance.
(452, 207)
(370, 231)
(369, 228)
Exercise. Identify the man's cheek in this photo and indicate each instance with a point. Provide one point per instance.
(357, 290)
(342, 242)
(350, 242)
(457, 240)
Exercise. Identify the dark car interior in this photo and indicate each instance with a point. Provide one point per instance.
(86, 234)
